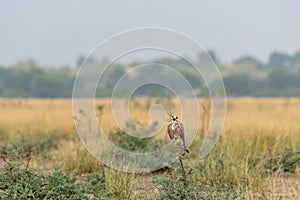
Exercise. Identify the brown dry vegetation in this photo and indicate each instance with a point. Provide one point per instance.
(259, 147)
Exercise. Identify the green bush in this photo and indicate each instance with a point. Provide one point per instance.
(40, 147)
(136, 144)
(18, 181)
(177, 187)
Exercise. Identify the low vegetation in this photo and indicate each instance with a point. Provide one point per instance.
(257, 156)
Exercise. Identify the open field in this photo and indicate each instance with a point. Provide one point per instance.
(257, 156)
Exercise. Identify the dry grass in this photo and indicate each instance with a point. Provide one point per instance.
(253, 128)
(35, 115)
(56, 115)
(268, 114)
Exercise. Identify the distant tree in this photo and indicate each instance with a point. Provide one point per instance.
(279, 79)
(51, 85)
(298, 76)
(27, 64)
(194, 79)
(295, 60)
(165, 61)
(80, 60)
(249, 61)
(237, 85)
(214, 56)
(28, 79)
(88, 60)
(279, 60)
(109, 80)
(1, 90)
(205, 58)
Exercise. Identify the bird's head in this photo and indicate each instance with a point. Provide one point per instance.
(174, 118)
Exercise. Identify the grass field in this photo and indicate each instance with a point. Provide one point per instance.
(257, 156)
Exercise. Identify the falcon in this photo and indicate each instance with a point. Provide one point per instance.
(176, 132)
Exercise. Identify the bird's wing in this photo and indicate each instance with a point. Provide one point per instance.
(181, 133)
(170, 132)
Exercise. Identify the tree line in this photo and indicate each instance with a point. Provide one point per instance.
(246, 76)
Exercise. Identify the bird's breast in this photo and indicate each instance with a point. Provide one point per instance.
(173, 127)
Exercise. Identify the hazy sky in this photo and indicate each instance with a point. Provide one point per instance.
(56, 32)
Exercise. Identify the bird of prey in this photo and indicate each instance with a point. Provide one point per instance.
(176, 132)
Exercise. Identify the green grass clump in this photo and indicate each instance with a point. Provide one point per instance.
(118, 184)
(136, 144)
(41, 148)
(41, 145)
(82, 163)
(19, 181)
(287, 160)
(176, 187)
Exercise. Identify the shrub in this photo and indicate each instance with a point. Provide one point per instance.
(18, 181)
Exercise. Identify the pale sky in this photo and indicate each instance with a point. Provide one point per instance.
(56, 32)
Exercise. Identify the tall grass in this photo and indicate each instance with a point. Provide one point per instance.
(257, 156)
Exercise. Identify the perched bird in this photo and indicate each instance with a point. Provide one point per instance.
(176, 132)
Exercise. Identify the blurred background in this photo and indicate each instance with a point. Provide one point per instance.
(256, 47)
(255, 44)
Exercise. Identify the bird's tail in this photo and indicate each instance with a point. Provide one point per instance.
(184, 152)
(186, 149)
